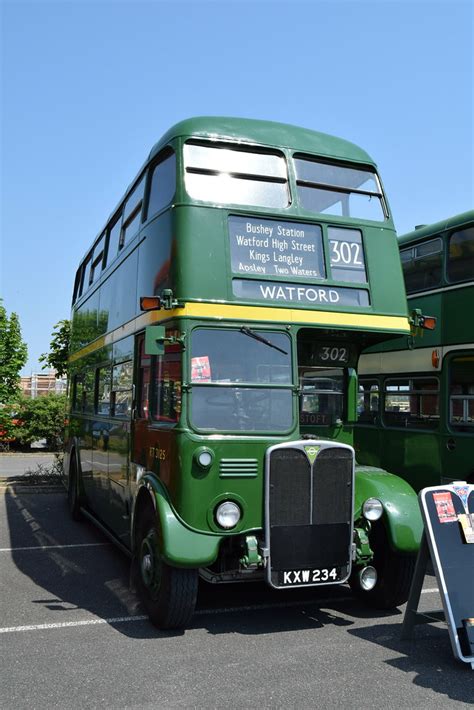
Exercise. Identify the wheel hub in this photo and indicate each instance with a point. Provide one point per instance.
(150, 566)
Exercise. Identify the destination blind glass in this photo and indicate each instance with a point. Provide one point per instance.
(268, 247)
(294, 250)
(279, 292)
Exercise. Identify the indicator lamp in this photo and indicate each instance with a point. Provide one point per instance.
(204, 457)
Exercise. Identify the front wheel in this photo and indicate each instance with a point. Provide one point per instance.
(394, 574)
(168, 593)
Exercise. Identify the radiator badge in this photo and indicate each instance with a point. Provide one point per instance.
(311, 453)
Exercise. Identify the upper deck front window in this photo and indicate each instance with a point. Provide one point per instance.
(226, 174)
(332, 189)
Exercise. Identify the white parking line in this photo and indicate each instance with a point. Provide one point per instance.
(67, 624)
(55, 547)
(199, 612)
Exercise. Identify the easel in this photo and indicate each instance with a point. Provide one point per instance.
(429, 552)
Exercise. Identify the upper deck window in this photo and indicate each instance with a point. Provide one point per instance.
(226, 174)
(97, 259)
(461, 255)
(114, 238)
(338, 190)
(422, 265)
(163, 184)
(132, 213)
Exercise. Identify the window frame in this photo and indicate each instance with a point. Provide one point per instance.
(463, 427)
(163, 156)
(405, 422)
(379, 391)
(412, 248)
(458, 230)
(329, 187)
(114, 390)
(260, 178)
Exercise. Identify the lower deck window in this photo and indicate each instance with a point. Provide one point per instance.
(412, 402)
(166, 387)
(461, 393)
(367, 401)
(121, 396)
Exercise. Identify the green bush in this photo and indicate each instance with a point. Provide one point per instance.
(42, 418)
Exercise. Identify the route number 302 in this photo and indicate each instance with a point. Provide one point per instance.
(333, 354)
(347, 253)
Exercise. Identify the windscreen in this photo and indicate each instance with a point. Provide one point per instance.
(241, 380)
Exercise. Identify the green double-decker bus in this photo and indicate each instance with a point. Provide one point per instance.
(416, 393)
(217, 324)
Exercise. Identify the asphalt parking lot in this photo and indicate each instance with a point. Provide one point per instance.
(73, 635)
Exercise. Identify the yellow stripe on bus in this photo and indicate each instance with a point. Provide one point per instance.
(220, 311)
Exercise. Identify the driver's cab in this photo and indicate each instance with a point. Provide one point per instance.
(325, 383)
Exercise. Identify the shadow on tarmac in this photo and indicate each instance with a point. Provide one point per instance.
(427, 656)
(78, 570)
(92, 576)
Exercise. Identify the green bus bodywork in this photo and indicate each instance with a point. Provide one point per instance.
(134, 439)
(440, 283)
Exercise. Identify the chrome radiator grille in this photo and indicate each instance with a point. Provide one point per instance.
(309, 509)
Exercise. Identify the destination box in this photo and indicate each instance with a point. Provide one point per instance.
(279, 292)
(277, 248)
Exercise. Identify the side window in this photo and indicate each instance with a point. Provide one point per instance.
(166, 401)
(86, 274)
(77, 285)
(461, 393)
(132, 213)
(368, 400)
(78, 394)
(461, 255)
(412, 402)
(121, 396)
(102, 388)
(97, 259)
(114, 238)
(144, 372)
(162, 185)
(88, 395)
(422, 265)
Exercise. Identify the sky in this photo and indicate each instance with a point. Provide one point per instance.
(88, 87)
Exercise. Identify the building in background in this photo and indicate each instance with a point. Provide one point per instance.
(39, 384)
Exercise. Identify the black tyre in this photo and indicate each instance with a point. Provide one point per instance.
(73, 495)
(168, 593)
(394, 573)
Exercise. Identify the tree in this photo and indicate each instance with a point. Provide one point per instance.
(43, 418)
(13, 355)
(58, 355)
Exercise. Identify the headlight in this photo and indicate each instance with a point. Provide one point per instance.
(204, 457)
(372, 509)
(227, 515)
